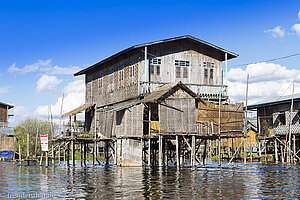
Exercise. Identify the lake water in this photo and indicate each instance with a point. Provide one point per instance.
(255, 181)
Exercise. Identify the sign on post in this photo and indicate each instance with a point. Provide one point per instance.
(44, 142)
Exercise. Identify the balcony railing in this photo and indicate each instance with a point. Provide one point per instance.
(204, 91)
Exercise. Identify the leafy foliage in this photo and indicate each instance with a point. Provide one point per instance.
(33, 127)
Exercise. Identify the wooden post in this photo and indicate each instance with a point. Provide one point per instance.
(68, 155)
(294, 141)
(219, 142)
(290, 155)
(59, 155)
(246, 123)
(53, 155)
(36, 142)
(84, 153)
(81, 154)
(64, 157)
(204, 153)
(20, 154)
(160, 151)
(47, 164)
(193, 153)
(41, 159)
(106, 152)
(177, 152)
(276, 153)
(73, 152)
(265, 150)
(282, 154)
(149, 152)
(27, 145)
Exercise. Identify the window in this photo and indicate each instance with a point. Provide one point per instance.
(181, 65)
(155, 66)
(152, 69)
(100, 85)
(185, 72)
(211, 73)
(281, 118)
(121, 77)
(111, 82)
(158, 70)
(208, 66)
(132, 73)
(178, 72)
(205, 73)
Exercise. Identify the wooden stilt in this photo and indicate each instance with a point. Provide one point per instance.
(204, 153)
(64, 157)
(160, 151)
(282, 154)
(27, 145)
(276, 153)
(59, 155)
(265, 150)
(73, 152)
(177, 152)
(41, 159)
(294, 148)
(259, 150)
(47, 159)
(84, 154)
(149, 152)
(53, 155)
(20, 154)
(193, 153)
(106, 152)
(81, 154)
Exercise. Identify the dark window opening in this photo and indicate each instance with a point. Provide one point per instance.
(151, 69)
(178, 72)
(157, 70)
(281, 118)
(211, 73)
(185, 72)
(205, 73)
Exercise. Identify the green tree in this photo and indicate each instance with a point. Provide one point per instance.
(33, 127)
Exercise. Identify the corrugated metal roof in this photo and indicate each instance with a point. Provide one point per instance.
(124, 106)
(160, 92)
(5, 104)
(78, 110)
(189, 37)
(281, 100)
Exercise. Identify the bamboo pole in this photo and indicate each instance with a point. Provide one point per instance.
(27, 145)
(41, 159)
(276, 152)
(20, 154)
(160, 151)
(36, 142)
(246, 121)
(47, 159)
(177, 152)
(290, 128)
(219, 141)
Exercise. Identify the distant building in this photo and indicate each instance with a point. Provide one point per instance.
(275, 120)
(7, 141)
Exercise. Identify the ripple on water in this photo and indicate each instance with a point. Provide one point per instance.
(255, 181)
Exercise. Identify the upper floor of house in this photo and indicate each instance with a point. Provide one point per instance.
(142, 68)
(4, 114)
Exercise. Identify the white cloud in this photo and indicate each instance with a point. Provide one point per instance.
(47, 84)
(28, 68)
(263, 72)
(4, 90)
(56, 70)
(74, 97)
(267, 81)
(296, 28)
(278, 31)
(44, 66)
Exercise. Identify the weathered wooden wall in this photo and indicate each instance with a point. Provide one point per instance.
(3, 115)
(183, 120)
(231, 116)
(7, 143)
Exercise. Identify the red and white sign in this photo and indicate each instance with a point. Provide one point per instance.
(44, 142)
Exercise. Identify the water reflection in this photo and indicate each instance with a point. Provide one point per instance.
(256, 181)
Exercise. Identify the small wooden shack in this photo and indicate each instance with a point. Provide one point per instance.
(278, 123)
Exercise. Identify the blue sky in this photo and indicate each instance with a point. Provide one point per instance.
(44, 42)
